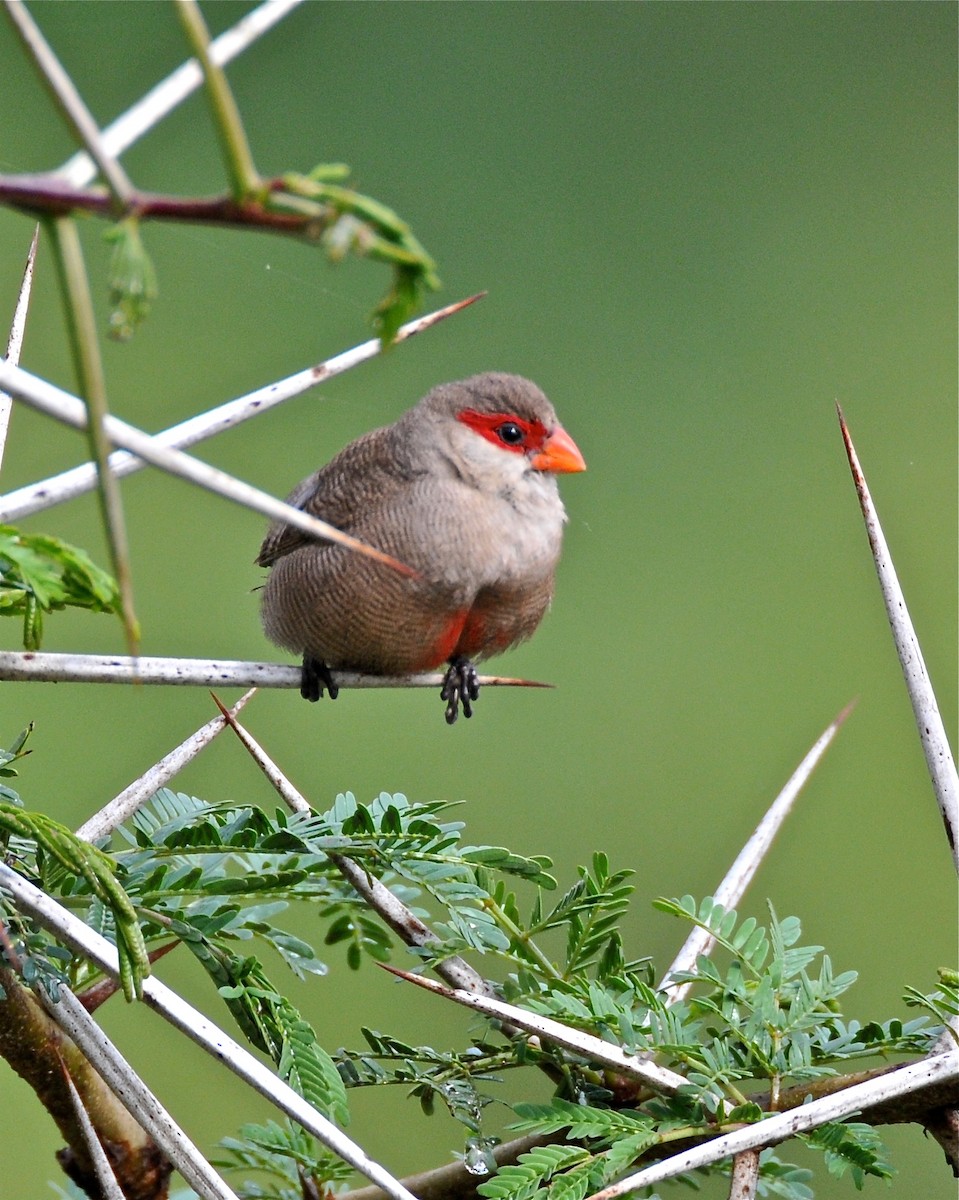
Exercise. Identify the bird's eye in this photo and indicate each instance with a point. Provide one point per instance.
(510, 433)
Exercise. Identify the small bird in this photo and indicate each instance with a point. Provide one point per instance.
(462, 489)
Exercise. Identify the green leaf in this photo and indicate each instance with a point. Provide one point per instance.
(523, 1180)
(307, 1067)
(747, 1114)
(271, 1023)
(574, 1185)
(853, 1147)
(354, 223)
(943, 1003)
(626, 1151)
(39, 574)
(286, 1155)
(78, 859)
(511, 864)
(133, 283)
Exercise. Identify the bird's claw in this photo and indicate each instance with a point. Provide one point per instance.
(460, 686)
(314, 678)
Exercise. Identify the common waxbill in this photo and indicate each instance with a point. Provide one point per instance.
(462, 488)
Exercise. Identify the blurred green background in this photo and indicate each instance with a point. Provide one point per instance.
(700, 225)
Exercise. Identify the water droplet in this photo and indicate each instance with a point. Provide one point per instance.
(478, 1160)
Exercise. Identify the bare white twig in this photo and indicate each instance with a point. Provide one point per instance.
(63, 407)
(69, 99)
(162, 99)
(741, 873)
(15, 340)
(660, 1079)
(134, 1095)
(38, 496)
(932, 732)
(124, 805)
(105, 668)
(86, 941)
(109, 1188)
(404, 923)
(106, 1180)
(836, 1107)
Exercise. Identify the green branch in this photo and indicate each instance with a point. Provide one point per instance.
(81, 326)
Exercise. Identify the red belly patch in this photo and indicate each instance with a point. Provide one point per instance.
(467, 633)
(473, 637)
(447, 644)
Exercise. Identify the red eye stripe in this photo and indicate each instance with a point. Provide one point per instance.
(501, 429)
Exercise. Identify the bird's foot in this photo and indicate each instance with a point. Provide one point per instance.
(315, 677)
(460, 686)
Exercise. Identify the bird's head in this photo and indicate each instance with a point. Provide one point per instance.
(497, 427)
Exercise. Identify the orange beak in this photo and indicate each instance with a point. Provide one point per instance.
(559, 454)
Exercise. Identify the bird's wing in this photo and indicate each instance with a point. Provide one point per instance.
(345, 493)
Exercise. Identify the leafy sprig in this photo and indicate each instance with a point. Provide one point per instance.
(942, 1003)
(286, 1157)
(446, 1075)
(762, 1015)
(40, 574)
(62, 860)
(768, 1019)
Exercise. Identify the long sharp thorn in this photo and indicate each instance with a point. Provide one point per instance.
(17, 328)
(741, 873)
(932, 731)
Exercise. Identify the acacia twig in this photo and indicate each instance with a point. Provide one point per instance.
(134, 1094)
(453, 1181)
(81, 327)
(47, 194)
(106, 1181)
(104, 668)
(234, 145)
(745, 1176)
(771, 1130)
(80, 938)
(659, 1079)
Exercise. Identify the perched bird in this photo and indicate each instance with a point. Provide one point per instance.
(462, 488)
